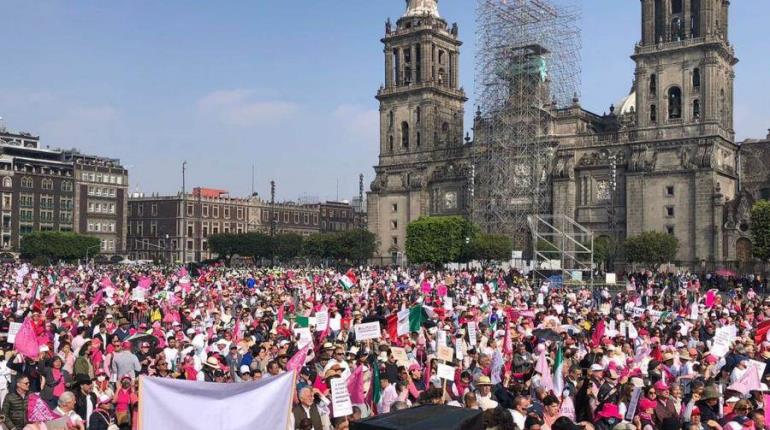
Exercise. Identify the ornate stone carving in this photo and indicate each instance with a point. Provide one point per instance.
(565, 167)
(643, 159)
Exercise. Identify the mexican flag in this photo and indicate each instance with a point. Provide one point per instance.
(346, 282)
(558, 373)
(398, 324)
(418, 315)
(376, 389)
(301, 321)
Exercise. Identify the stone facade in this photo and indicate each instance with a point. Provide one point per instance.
(424, 164)
(664, 158)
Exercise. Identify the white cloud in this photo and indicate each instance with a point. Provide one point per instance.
(240, 108)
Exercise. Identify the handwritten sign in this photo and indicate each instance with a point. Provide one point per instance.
(445, 372)
(632, 405)
(366, 331)
(322, 320)
(304, 336)
(610, 279)
(13, 328)
(472, 333)
(440, 338)
(341, 404)
(445, 353)
(400, 355)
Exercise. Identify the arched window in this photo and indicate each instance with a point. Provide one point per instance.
(441, 57)
(653, 113)
(674, 103)
(405, 135)
(418, 139)
(418, 114)
(47, 184)
(390, 143)
(677, 29)
(653, 84)
(7, 182)
(696, 78)
(696, 109)
(695, 18)
(390, 119)
(441, 74)
(26, 182)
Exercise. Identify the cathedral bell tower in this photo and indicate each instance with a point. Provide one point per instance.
(420, 170)
(685, 67)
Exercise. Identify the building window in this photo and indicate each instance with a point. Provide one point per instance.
(140, 209)
(66, 186)
(26, 200)
(26, 182)
(296, 217)
(696, 109)
(653, 113)
(394, 240)
(670, 211)
(26, 215)
(7, 182)
(215, 228)
(674, 103)
(205, 210)
(190, 210)
(394, 207)
(307, 219)
(153, 229)
(653, 85)
(696, 78)
(205, 229)
(670, 229)
(154, 209)
(7, 201)
(46, 184)
(405, 135)
(190, 229)
(239, 213)
(394, 224)
(315, 219)
(227, 212)
(670, 191)
(286, 217)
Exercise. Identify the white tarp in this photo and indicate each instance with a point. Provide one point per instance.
(190, 405)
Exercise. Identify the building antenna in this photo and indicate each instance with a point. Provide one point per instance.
(338, 189)
(252, 180)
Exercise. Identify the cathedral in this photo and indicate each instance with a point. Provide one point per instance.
(664, 158)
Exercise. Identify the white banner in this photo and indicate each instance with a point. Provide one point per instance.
(13, 328)
(445, 372)
(341, 404)
(322, 320)
(366, 331)
(191, 405)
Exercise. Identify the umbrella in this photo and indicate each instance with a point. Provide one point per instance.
(571, 329)
(725, 272)
(546, 334)
(422, 417)
(139, 338)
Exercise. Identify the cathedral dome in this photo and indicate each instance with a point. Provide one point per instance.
(627, 104)
(422, 8)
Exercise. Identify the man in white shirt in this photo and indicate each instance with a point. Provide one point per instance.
(389, 394)
(519, 411)
(484, 387)
(66, 408)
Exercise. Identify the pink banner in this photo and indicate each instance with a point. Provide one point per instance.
(26, 340)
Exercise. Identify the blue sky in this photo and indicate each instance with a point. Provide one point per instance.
(287, 86)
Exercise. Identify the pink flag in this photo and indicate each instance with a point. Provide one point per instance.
(298, 360)
(507, 343)
(26, 341)
(145, 282)
(182, 272)
(280, 313)
(237, 330)
(596, 339)
(567, 408)
(749, 381)
(767, 408)
(546, 380)
(711, 297)
(356, 386)
(38, 410)
(442, 290)
(106, 282)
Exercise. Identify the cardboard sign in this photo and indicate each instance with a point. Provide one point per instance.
(341, 404)
(610, 279)
(459, 349)
(632, 405)
(400, 355)
(722, 342)
(322, 320)
(138, 294)
(305, 337)
(445, 372)
(760, 365)
(448, 305)
(366, 331)
(440, 338)
(13, 328)
(472, 333)
(445, 353)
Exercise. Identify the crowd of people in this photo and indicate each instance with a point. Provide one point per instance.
(655, 352)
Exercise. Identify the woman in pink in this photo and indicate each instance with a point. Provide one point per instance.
(67, 356)
(124, 396)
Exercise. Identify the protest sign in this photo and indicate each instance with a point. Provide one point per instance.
(366, 331)
(610, 279)
(632, 405)
(472, 334)
(322, 320)
(13, 328)
(440, 338)
(341, 404)
(445, 353)
(138, 294)
(445, 372)
(722, 341)
(305, 337)
(400, 355)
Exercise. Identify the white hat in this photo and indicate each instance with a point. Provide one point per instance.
(596, 367)
(44, 348)
(732, 400)
(244, 369)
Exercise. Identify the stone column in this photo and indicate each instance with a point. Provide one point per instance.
(400, 67)
(413, 63)
(426, 54)
(388, 67)
(687, 10)
(648, 22)
(667, 20)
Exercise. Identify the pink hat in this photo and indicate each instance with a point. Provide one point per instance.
(660, 386)
(414, 366)
(610, 410)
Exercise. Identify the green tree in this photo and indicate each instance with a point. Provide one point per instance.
(287, 246)
(56, 245)
(651, 248)
(760, 230)
(437, 240)
(486, 247)
(605, 248)
(354, 245)
(226, 244)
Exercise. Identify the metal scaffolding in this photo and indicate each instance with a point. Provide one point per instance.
(563, 251)
(528, 65)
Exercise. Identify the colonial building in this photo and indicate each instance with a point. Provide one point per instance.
(50, 190)
(422, 167)
(664, 158)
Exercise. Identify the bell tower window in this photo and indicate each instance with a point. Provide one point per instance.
(696, 109)
(418, 114)
(676, 7)
(696, 78)
(418, 139)
(653, 113)
(674, 103)
(405, 135)
(390, 143)
(653, 85)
